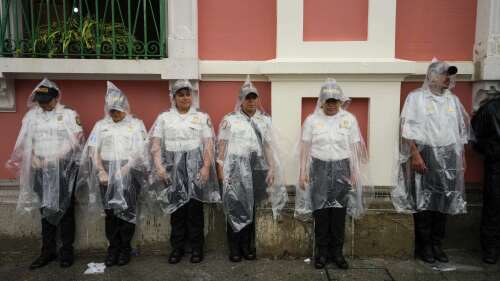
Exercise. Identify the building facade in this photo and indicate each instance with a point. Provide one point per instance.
(378, 50)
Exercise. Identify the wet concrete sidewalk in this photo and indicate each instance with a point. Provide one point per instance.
(464, 266)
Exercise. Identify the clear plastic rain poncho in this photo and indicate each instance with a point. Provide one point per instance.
(431, 163)
(182, 147)
(250, 159)
(333, 160)
(46, 155)
(115, 160)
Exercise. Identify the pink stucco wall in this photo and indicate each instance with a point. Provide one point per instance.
(435, 28)
(237, 29)
(335, 20)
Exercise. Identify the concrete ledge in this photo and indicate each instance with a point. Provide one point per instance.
(380, 233)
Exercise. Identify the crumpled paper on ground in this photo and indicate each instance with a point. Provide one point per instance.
(94, 268)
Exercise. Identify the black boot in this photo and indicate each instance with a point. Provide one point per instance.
(43, 260)
(176, 256)
(248, 253)
(319, 262)
(111, 258)
(339, 260)
(196, 256)
(426, 254)
(439, 254)
(490, 256)
(123, 257)
(66, 257)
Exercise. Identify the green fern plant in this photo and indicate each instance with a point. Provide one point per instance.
(59, 40)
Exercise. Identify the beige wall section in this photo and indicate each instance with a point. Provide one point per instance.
(384, 103)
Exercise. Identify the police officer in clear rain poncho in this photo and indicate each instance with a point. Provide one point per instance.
(182, 144)
(249, 167)
(431, 164)
(45, 159)
(486, 126)
(113, 167)
(333, 177)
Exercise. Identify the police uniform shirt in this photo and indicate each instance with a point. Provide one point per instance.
(331, 136)
(182, 132)
(118, 141)
(433, 120)
(241, 135)
(54, 131)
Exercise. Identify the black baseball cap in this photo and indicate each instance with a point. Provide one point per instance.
(45, 94)
(452, 70)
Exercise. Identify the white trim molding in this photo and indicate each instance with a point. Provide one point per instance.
(380, 43)
(487, 45)
(7, 95)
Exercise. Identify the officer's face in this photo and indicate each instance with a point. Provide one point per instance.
(331, 107)
(48, 106)
(442, 81)
(117, 115)
(183, 99)
(249, 104)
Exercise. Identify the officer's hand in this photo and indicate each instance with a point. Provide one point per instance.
(103, 177)
(124, 170)
(418, 164)
(270, 178)
(303, 181)
(162, 174)
(36, 162)
(203, 174)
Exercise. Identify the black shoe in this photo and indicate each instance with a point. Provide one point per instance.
(235, 257)
(176, 256)
(42, 260)
(426, 254)
(123, 258)
(196, 256)
(319, 262)
(439, 254)
(248, 254)
(66, 258)
(111, 259)
(340, 261)
(490, 256)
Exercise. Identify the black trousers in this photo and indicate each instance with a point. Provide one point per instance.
(187, 225)
(430, 228)
(490, 221)
(329, 231)
(63, 220)
(119, 233)
(66, 229)
(243, 239)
